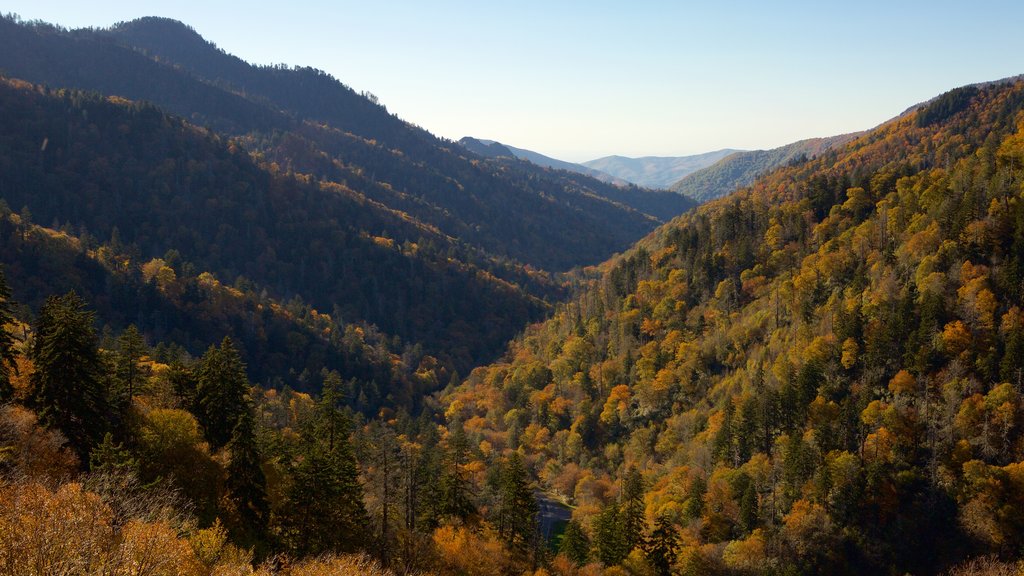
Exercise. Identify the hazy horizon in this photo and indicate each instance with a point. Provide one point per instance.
(580, 81)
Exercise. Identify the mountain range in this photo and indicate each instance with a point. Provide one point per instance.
(740, 169)
(654, 171)
(253, 323)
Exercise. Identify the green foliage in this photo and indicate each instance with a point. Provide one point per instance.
(7, 358)
(69, 383)
(662, 547)
(574, 543)
(517, 523)
(818, 366)
(222, 392)
(246, 484)
(325, 510)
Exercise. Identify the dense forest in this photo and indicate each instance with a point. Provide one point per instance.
(304, 121)
(261, 326)
(740, 169)
(820, 374)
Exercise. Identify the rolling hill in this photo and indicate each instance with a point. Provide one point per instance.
(742, 168)
(655, 171)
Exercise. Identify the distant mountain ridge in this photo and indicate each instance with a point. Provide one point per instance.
(657, 172)
(741, 168)
(308, 122)
(494, 149)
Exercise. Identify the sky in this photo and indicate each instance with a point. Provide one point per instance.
(578, 80)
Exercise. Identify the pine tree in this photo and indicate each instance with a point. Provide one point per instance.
(68, 388)
(246, 484)
(662, 548)
(325, 511)
(519, 509)
(632, 510)
(131, 347)
(7, 362)
(575, 544)
(222, 391)
(454, 482)
(609, 538)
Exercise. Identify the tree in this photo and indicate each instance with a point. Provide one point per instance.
(454, 482)
(7, 362)
(662, 547)
(131, 347)
(325, 510)
(246, 484)
(518, 520)
(609, 539)
(631, 509)
(68, 388)
(575, 544)
(222, 392)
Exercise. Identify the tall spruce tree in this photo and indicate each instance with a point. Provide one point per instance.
(632, 510)
(7, 362)
(246, 484)
(662, 547)
(68, 389)
(128, 374)
(325, 511)
(575, 544)
(518, 522)
(222, 392)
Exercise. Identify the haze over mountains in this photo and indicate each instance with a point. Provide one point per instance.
(252, 323)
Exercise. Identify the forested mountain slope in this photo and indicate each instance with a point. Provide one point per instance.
(740, 169)
(305, 121)
(818, 374)
(154, 185)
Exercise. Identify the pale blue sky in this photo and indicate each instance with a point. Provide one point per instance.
(579, 80)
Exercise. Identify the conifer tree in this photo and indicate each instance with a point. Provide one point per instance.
(246, 484)
(575, 544)
(454, 481)
(631, 510)
(131, 347)
(609, 538)
(325, 511)
(222, 392)
(7, 362)
(68, 388)
(518, 522)
(662, 548)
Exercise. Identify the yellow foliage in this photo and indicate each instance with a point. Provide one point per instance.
(747, 555)
(463, 552)
(902, 383)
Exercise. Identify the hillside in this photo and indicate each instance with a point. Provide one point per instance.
(818, 374)
(131, 175)
(492, 149)
(307, 122)
(655, 171)
(742, 168)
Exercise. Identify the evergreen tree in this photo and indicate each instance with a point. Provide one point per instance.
(632, 510)
(131, 347)
(519, 509)
(246, 484)
(575, 544)
(662, 548)
(7, 362)
(609, 538)
(222, 392)
(68, 388)
(454, 483)
(325, 510)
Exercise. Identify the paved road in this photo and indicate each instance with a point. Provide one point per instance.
(552, 517)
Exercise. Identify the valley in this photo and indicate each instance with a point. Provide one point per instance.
(252, 322)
